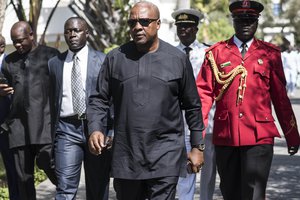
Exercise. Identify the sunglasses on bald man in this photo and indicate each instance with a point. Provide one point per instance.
(142, 21)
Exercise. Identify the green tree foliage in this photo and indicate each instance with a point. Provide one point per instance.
(207, 6)
(216, 25)
(293, 14)
(4, 194)
(215, 30)
(39, 176)
(106, 19)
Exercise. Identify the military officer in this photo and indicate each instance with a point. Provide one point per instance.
(244, 75)
(187, 21)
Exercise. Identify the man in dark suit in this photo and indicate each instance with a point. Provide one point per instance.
(68, 99)
(30, 139)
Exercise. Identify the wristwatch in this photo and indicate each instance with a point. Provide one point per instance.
(200, 147)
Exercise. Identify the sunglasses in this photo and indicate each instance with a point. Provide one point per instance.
(142, 21)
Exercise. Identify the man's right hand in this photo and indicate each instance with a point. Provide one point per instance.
(5, 90)
(96, 142)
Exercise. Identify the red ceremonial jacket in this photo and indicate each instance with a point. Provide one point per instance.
(249, 122)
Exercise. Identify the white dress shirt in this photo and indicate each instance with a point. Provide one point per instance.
(239, 43)
(67, 105)
(196, 55)
(1, 59)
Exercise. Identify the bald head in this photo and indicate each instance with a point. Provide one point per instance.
(152, 7)
(21, 27)
(22, 37)
(79, 20)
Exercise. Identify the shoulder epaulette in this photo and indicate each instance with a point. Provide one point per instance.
(268, 44)
(205, 44)
(213, 46)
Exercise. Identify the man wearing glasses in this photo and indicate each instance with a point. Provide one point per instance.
(30, 139)
(244, 75)
(150, 82)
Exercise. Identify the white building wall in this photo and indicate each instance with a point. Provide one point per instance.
(167, 31)
(55, 27)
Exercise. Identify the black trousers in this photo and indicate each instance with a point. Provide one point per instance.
(244, 171)
(152, 189)
(25, 158)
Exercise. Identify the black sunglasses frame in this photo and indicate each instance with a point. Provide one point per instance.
(145, 22)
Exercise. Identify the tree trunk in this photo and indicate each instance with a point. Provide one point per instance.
(2, 13)
(42, 39)
(106, 20)
(34, 14)
(19, 9)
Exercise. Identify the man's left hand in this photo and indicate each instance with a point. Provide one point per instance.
(197, 160)
(293, 150)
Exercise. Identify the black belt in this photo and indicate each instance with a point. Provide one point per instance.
(75, 117)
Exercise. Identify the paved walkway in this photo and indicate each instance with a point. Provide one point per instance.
(283, 181)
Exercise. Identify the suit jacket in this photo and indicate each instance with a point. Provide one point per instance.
(250, 122)
(56, 64)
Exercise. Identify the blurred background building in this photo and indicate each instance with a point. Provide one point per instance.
(279, 22)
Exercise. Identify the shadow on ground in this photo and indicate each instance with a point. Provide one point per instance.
(284, 176)
(295, 101)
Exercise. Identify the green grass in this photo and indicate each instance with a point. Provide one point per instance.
(2, 169)
(3, 185)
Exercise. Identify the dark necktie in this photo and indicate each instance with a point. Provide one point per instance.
(78, 95)
(187, 50)
(244, 49)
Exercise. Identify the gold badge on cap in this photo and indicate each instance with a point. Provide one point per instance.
(183, 17)
(260, 61)
(246, 4)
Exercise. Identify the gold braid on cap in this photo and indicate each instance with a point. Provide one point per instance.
(226, 79)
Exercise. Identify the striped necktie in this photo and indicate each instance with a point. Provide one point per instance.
(78, 94)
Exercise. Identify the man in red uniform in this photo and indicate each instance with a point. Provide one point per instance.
(244, 76)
